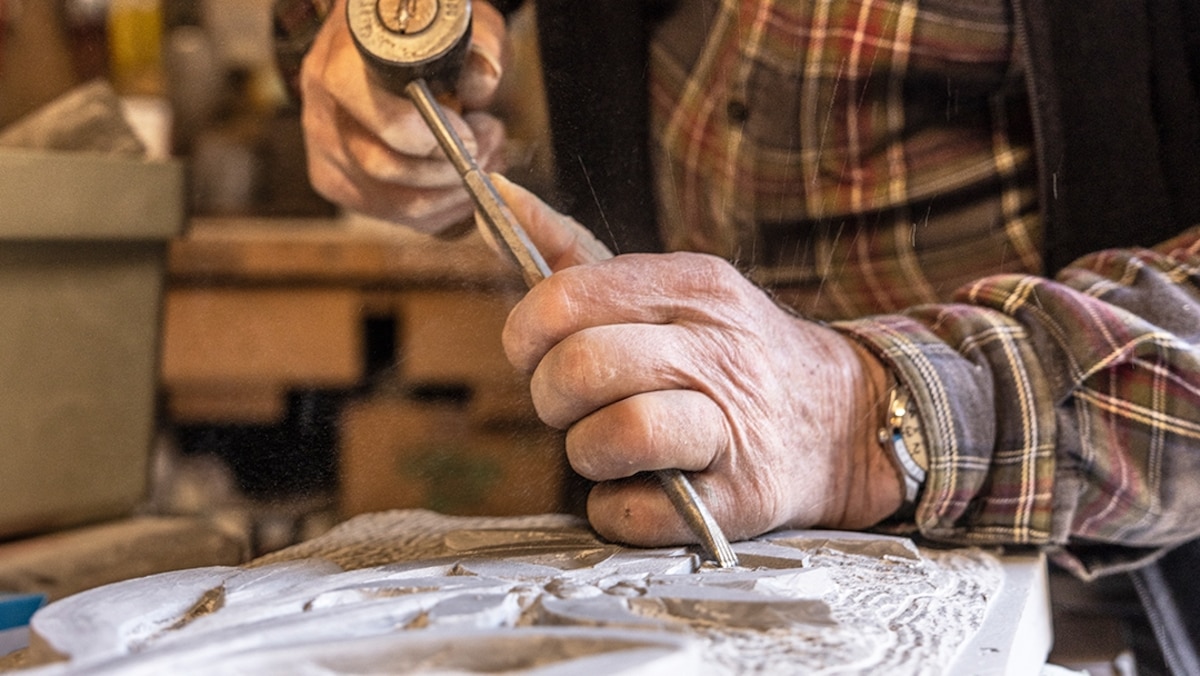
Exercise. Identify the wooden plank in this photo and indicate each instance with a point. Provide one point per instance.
(305, 337)
(312, 250)
(227, 404)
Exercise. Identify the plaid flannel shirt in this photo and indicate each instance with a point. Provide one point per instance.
(855, 156)
(860, 157)
(1062, 414)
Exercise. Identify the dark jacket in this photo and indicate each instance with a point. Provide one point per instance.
(1116, 91)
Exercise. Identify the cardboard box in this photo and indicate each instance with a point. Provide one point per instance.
(231, 354)
(451, 338)
(401, 454)
(82, 262)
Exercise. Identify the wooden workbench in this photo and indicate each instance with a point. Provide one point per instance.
(256, 309)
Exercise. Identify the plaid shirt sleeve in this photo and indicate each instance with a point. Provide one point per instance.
(1060, 413)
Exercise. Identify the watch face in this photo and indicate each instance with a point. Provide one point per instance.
(914, 439)
(907, 421)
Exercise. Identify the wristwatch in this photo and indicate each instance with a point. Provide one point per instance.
(902, 435)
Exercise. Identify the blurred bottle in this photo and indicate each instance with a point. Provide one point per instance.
(85, 23)
(249, 160)
(135, 68)
(134, 32)
(196, 83)
(4, 11)
(226, 159)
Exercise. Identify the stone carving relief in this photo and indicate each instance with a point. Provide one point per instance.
(417, 592)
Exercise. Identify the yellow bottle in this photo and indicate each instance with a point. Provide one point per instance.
(135, 29)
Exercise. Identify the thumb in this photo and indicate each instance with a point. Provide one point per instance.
(486, 58)
(561, 240)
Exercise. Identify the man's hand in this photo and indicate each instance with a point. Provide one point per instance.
(658, 361)
(371, 152)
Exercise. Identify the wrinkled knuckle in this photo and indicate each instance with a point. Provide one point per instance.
(309, 80)
(376, 161)
(576, 369)
(721, 277)
(512, 340)
(635, 429)
(548, 401)
(582, 456)
(408, 212)
(599, 455)
(435, 221)
(556, 298)
(327, 183)
(524, 336)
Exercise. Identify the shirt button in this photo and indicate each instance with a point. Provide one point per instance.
(737, 111)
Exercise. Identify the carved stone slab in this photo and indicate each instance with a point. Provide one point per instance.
(417, 592)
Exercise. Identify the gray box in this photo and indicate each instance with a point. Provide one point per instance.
(83, 242)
